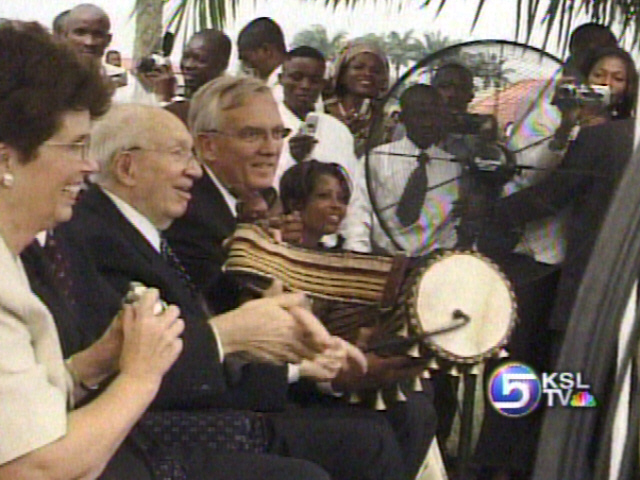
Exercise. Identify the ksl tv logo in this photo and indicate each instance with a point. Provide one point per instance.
(515, 390)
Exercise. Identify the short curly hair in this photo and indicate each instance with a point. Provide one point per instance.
(40, 80)
(298, 182)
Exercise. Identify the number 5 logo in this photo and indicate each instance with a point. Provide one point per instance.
(514, 389)
(513, 382)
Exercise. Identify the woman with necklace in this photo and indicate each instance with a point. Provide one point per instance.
(361, 77)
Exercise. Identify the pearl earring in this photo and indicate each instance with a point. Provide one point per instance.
(7, 180)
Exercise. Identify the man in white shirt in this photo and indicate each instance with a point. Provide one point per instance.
(430, 223)
(262, 49)
(315, 135)
(205, 57)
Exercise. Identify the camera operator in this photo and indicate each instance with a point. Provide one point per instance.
(153, 82)
(581, 186)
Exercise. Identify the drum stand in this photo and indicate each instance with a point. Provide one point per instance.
(469, 382)
(481, 189)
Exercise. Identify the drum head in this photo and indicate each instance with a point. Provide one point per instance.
(459, 287)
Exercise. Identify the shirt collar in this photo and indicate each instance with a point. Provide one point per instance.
(138, 220)
(433, 151)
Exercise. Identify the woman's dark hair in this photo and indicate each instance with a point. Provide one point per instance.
(298, 182)
(40, 80)
(627, 104)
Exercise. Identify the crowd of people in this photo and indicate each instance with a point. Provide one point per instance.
(107, 177)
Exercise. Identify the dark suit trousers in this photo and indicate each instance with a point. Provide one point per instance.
(413, 423)
(129, 463)
(350, 443)
(510, 443)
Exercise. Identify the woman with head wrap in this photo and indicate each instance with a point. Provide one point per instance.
(361, 77)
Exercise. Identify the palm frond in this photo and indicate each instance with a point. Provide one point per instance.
(562, 13)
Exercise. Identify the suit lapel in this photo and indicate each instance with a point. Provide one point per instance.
(209, 203)
(156, 266)
(102, 206)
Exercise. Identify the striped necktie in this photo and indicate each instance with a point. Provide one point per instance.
(169, 256)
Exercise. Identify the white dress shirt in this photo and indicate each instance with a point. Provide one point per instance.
(335, 143)
(544, 239)
(138, 220)
(390, 167)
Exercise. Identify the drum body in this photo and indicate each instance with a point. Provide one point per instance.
(461, 304)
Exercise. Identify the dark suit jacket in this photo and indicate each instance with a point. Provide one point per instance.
(197, 238)
(586, 180)
(120, 254)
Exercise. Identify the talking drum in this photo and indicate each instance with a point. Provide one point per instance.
(462, 305)
(455, 305)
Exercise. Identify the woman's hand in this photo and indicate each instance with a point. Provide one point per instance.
(99, 361)
(151, 342)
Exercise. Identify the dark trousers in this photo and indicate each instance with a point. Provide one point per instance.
(413, 422)
(348, 442)
(129, 464)
(510, 443)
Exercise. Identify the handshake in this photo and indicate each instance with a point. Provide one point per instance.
(279, 328)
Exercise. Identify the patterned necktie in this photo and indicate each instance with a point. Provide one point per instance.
(414, 194)
(60, 266)
(172, 260)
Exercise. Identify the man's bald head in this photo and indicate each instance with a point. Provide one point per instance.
(87, 30)
(59, 25)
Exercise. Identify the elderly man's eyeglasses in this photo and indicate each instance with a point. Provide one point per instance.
(79, 149)
(254, 134)
(185, 157)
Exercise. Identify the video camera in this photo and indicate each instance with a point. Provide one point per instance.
(484, 126)
(570, 95)
(157, 61)
(473, 139)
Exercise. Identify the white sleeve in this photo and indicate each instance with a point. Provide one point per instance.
(33, 411)
(356, 227)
